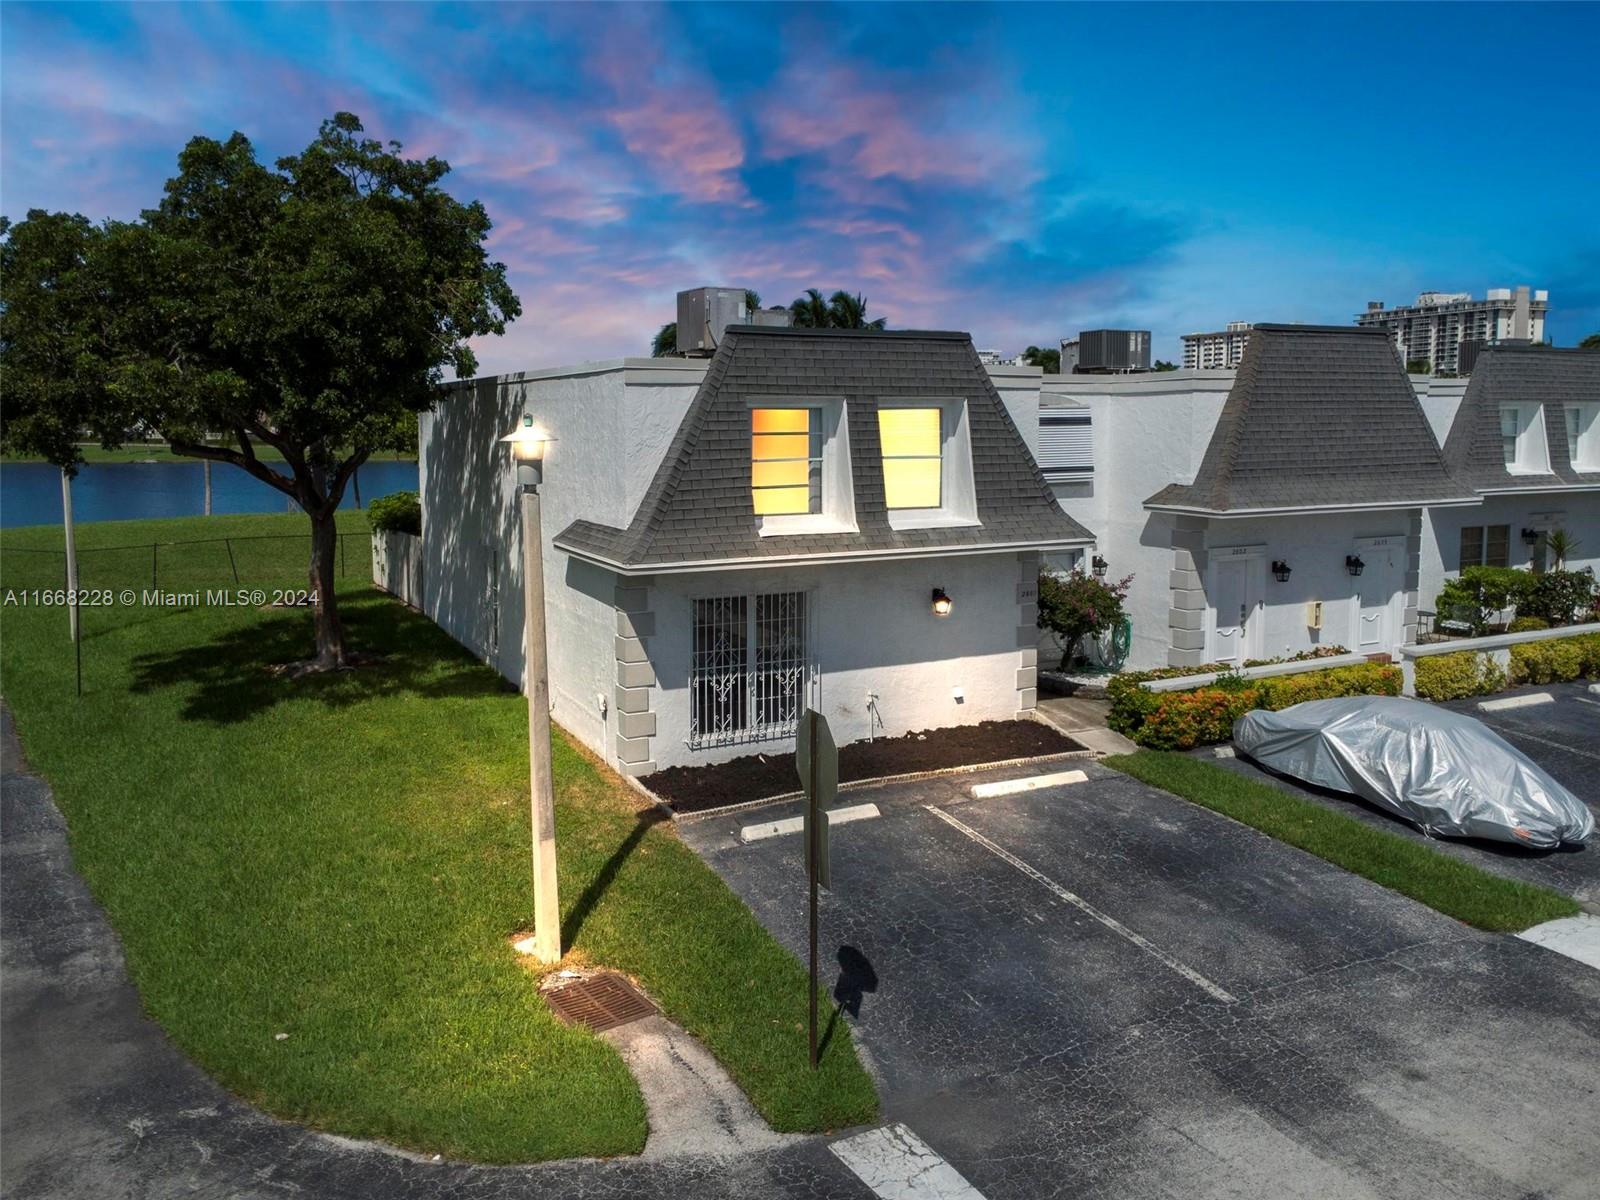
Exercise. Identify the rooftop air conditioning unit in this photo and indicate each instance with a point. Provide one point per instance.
(703, 314)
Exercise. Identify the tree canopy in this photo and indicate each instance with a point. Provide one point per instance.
(842, 310)
(1592, 342)
(312, 308)
(1050, 360)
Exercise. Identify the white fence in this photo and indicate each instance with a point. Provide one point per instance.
(397, 565)
(1497, 646)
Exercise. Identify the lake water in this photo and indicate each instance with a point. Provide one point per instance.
(30, 493)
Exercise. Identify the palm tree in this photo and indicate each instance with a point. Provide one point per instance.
(850, 312)
(810, 311)
(666, 341)
(839, 311)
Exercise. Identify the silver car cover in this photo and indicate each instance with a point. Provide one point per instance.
(1444, 771)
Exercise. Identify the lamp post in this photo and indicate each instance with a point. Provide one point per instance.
(528, 448)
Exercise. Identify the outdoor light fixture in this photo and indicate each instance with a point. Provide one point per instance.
(1530, 536)
(528, 446)
(1099, 564)
(1280, 570)
(941, 603)
(1353, 564)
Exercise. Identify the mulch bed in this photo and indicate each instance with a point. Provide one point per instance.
(758, 776)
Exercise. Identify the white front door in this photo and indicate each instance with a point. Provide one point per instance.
(1237, 585)
(1377, 589)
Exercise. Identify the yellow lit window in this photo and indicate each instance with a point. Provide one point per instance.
(913, 469)
(786, 460)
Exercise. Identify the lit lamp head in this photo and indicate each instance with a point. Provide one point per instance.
(528, 445)
(941, 603)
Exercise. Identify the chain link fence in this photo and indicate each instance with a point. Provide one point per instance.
(176, 566)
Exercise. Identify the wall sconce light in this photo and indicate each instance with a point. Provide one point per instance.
(1353, 564)
(1530, 536)
(1280, 570)
(941, 603)
(1099, 565)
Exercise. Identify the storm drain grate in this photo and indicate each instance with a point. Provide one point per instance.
(600, 1002)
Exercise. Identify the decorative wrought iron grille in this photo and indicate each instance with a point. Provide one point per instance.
(750, 672)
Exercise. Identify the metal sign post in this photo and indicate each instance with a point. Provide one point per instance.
(816, 759)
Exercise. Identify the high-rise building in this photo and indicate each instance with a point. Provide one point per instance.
(1433, 329)
(1221, 349)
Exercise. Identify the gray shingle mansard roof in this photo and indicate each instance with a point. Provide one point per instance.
(1320, 418)
(1521, 375)
(698, 508)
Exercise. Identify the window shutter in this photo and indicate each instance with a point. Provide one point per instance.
(1066, 445)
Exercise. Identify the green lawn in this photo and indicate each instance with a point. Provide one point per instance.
(344, 859)
(159, 452)
(1457, 889)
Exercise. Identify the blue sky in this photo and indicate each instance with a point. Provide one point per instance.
(1017, 171)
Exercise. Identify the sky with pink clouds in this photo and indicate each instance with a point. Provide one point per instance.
(1017, 171)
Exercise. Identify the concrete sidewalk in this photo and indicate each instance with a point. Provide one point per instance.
(1083, 719)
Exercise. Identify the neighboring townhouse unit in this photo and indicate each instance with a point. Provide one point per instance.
(1267, 511)
(848, 520)
(1526, 438)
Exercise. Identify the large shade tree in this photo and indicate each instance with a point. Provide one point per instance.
(312, 308)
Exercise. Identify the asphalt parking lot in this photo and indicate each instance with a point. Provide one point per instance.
(1101, 990)
(1563, 737)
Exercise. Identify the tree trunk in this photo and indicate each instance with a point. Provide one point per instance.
(324, 606)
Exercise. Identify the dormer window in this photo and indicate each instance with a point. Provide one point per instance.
(913, 456)
(786, 460)
(800, 477)
(1583, 436)
(927, 462)
(1522, 441)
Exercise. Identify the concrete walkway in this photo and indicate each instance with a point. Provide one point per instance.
(1084, 721)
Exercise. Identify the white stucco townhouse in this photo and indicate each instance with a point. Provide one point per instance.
(1526, 438)
(850, 520)
(1267, 511)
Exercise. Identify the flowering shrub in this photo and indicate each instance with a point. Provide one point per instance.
(1183, 720)
(1077, 605)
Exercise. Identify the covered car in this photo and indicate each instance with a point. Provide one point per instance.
(1445, 772)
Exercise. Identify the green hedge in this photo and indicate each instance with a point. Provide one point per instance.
(1451, 676)
(398, 512)
(1556, 660)
(1183, 720)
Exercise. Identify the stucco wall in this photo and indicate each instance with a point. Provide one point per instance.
(1576, 512)
(1148, 431)
(472, 545)
(872, 629)
(1315, 548)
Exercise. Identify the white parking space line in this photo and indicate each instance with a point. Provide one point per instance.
(1515, 734)
(836, 816)
(1528, 701)
(1083, 905)
(898, 1165)
(1010, 787)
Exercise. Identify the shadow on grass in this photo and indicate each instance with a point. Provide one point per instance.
(233, 682)
(572, 923)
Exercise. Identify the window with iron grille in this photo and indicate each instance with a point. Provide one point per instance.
(750, 672)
